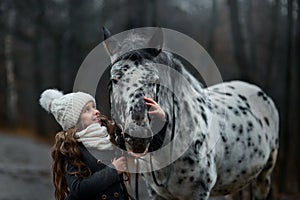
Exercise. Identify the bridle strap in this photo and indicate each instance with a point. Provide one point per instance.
(170, 167)
(126, 195)
(137, 181)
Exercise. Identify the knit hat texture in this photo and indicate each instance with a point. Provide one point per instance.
(65, 108)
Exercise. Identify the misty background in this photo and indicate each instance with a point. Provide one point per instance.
(44, 42)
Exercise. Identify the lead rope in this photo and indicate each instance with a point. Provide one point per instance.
(119, 152)
(137, 180)
(126, 195)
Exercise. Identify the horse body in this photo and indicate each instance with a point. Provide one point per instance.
(237, 146)
(225, 136)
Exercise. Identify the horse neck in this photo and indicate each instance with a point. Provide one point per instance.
(184, 119)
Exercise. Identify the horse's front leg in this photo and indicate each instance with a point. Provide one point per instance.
(201, 194)
(153, 194)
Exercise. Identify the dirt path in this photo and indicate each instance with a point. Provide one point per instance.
(25, 170)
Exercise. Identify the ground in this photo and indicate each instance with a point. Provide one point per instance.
(25, 170)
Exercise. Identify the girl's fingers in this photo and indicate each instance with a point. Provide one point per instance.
(153, 112)
(150, 104)
(149, 100)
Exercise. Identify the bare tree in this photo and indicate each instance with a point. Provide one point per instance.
(238, 39)
(12, 97)
(37, 59)
(250, 42)
(272, 42)
(290, 135)
(297, 64)
(213, 24)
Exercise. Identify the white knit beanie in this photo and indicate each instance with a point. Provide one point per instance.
(65, 108)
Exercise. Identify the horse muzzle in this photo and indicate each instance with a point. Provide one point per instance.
(137, 138)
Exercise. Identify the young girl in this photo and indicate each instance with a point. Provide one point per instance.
(77, 174)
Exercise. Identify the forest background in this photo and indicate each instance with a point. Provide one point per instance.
(43, 43)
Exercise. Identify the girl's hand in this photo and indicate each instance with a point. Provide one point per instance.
(155, 109)
(120, 164)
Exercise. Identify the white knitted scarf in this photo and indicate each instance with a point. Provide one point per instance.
(95, 136)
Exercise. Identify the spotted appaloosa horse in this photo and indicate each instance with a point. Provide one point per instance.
(230, 129)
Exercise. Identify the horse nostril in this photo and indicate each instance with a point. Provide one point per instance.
(138, 113)
(138, 131)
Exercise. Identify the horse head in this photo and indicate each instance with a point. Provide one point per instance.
(133, 76)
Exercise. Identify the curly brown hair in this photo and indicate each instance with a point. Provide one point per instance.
(67, 146)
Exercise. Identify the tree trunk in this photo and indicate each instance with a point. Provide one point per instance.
(138, 13)
(238, 40)
(213, 24)
(12, 96)
(290, 183)
(251, 50)
(58, 59)
(74, 48)
(272, 43)
(38, 73)
(297, 64)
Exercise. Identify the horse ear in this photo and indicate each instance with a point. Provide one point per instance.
(110, 44)
(157, 39)
(106, 33)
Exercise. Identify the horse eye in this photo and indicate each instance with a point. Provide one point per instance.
(115, 80)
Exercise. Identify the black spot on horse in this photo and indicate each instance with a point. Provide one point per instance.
(189, 160)
(224, 139)
(259, 139)
(180, 180)
(263, 95)
(249, 126)
(267, 138)
(201, 100)
(204, 117)
(260, 93)
(267, 121)
(242, 97)
(196, 120)
(260, 123)
(247, 104)
(236, 112)
(233, 126)
(227, 150)
(197, 146)
(241, 129)
(208, 163)
(202, 184)
(191, 178)
(208, 180)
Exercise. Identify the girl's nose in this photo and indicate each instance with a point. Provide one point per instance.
(97, 112)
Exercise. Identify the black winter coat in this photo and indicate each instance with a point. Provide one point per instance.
(104, 183)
